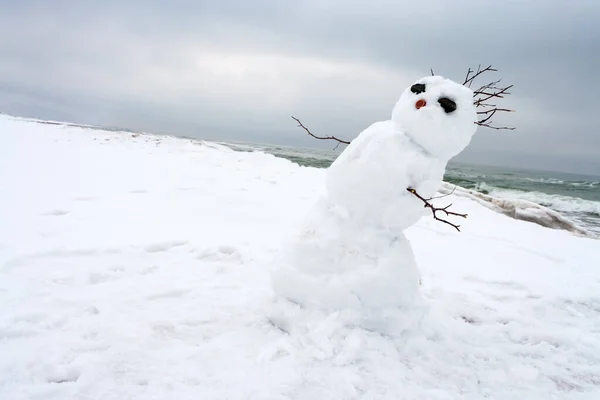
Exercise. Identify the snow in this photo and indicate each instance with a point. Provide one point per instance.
(352, 254)
(137, 267)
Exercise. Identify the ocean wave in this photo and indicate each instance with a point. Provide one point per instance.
(506, 179)
(556, 181)
(588, 184)
(551, 181)
(554, 201)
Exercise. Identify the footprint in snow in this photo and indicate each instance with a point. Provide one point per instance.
(222, 253)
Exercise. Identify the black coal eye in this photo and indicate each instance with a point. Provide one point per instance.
(447, 104)
(417, 88)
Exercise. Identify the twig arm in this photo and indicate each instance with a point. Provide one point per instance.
(320, 137)
(427, 204)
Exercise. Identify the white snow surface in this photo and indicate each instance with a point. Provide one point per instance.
(136, 267)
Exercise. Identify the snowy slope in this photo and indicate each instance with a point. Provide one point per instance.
(136, 267)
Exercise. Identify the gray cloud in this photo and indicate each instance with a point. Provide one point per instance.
(238, 70)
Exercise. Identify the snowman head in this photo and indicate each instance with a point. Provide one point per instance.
(438, 114)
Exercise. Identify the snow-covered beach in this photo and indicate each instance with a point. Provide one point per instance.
(136, 267)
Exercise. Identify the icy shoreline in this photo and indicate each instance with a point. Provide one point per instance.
(136, 266)
(519, 209)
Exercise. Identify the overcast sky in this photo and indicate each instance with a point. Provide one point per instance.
(237, 69)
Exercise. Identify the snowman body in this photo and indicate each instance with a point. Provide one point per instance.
(352, 252)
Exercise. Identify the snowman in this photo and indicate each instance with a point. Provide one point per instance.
(352, 253)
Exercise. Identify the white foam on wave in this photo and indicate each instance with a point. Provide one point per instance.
(555, 181)
(588, 184)
(554, 201)
(546, 180)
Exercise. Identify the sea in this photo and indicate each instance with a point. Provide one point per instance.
(576, 197)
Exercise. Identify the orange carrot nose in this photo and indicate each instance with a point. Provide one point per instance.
(420, 103)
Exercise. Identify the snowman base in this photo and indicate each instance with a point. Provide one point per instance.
(335, 264)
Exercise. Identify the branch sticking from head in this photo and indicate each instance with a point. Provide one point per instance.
(485, 95)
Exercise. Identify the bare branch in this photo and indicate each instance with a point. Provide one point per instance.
(490, 115)
(444, 195)
(485, 105)
(436, 209)
(483, 94)
(496, 92)
(488, 86)
(472, 75)
(469, 72)
(321, 137)
(493, 110)
(500, 128)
